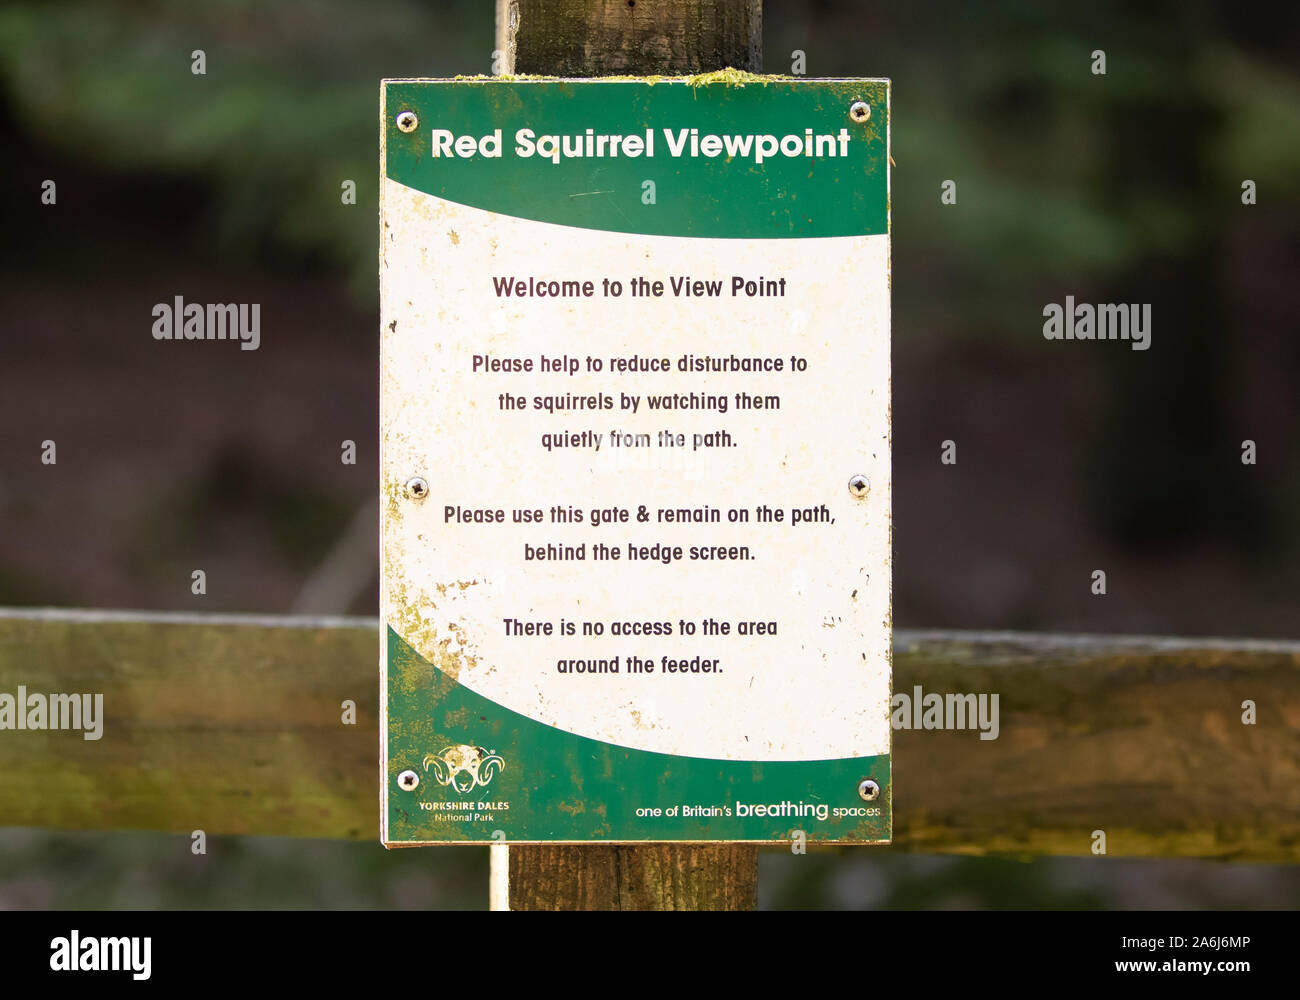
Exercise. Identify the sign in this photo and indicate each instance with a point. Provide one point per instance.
(635, 470)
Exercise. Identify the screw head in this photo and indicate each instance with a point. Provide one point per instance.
(859, 111)
(859, 485)
(868, 790)
(417, 488)
(408, 780)
(406, 121)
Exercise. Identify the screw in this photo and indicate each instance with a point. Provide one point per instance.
(407, 781)
(417, 488)
(868, 790)
(406, 121)
(859, 485)
(859, 111)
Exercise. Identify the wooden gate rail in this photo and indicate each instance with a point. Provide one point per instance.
(233, 724)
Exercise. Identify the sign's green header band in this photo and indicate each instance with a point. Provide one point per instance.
(775, 160)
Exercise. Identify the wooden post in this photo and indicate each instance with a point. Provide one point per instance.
(643, 38)
(630, 37)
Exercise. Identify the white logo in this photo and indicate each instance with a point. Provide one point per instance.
(75, 953)
(464, 766)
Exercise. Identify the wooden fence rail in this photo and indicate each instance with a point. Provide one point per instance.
(233, 724)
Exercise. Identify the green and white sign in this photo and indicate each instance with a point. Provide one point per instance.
(635, 460)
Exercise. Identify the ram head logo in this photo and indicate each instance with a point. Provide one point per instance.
(463, 766)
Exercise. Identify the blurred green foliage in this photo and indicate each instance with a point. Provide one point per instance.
(998, 95)
(287, 110)
(40, 870)
(152, 871)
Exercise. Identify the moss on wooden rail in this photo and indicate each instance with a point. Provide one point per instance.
(232, 724)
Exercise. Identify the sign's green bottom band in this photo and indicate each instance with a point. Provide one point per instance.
(464, 769)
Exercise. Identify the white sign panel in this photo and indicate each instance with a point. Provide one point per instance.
(635, 461)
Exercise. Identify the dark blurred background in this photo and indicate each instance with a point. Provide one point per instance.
(1072, 456)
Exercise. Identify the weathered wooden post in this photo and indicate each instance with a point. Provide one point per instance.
(595, 38)
(645, 38)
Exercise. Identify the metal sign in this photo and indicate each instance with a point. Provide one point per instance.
(635, 460)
